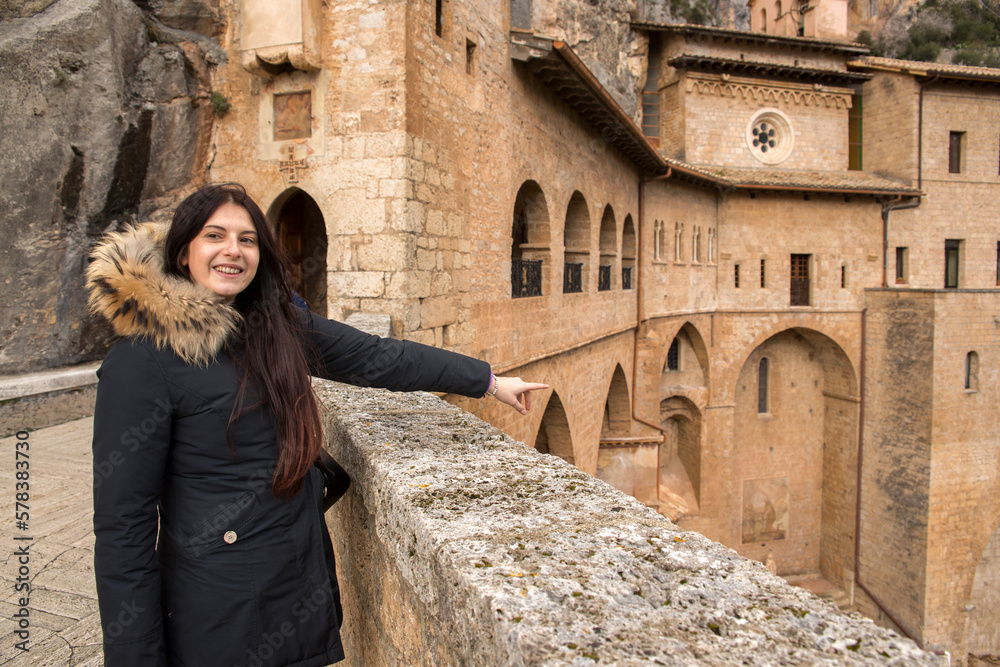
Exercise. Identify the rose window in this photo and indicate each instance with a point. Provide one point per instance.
(764, 137)
(769, 136)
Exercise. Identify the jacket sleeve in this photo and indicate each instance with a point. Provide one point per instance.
(352, 356)
(132, 425)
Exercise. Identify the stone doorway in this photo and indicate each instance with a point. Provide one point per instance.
(301, 231)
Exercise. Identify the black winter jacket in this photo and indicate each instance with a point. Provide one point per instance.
(197, 563)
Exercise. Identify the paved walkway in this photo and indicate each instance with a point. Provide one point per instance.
(65, 627)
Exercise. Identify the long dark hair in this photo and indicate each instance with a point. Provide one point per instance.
(270, 349)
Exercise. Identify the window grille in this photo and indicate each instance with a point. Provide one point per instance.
(674, 356)
(603, 278)
(572, 277)
(525, 277)
(800, 281)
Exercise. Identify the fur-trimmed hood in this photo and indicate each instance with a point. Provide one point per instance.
(128, 286)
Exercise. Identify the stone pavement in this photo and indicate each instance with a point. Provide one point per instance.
(64, 623)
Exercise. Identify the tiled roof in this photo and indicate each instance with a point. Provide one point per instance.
(857, 182)
(700, 63)
(918, 68)
(558, 68)
(758, 37)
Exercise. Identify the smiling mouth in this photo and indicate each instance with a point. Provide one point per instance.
(228, 270)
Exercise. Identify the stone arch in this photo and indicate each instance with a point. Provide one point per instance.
(553, 435)
(529, 253)
(606, 278)
(629, 275)
(680, 454)
(798, 462)
(982, 634)
(576, 244)
(301, 230)
(617, 411)
(692, 358)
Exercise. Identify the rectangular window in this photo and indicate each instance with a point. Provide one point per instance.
(763, 378)
(951, 267)
(854, 132)
(800, 281)
(736, 276)
(998, 262)
(763, 274)
(843, 276)
(901, 265)
(439, 17)
(626, 277)
(955, 141)
(470, 53)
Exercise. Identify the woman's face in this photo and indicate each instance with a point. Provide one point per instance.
(224, 255)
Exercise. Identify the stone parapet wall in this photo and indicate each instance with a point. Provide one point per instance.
(458, 545)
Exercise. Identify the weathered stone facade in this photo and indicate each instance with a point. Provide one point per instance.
(709, 294)
(452, 154)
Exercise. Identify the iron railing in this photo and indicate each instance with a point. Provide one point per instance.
(525, 277)
(572, 278)
(603, 278)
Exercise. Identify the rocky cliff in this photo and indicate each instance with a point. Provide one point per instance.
(107, 117)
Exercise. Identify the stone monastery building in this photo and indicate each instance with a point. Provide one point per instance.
(758, 269)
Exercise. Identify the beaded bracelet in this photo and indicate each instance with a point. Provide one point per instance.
(493, 381)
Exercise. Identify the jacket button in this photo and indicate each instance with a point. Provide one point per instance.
(229, 537)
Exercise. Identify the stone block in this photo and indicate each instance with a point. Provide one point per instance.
(384, 253)
(437, 311)
(426, 260)
(357, 283)
(353, 213)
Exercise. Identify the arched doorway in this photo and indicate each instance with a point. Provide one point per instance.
(680, 457)
(553, 435)
(301, 230)
(795, 455)
(625, 460)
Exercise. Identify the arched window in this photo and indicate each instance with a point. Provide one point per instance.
(674, 356)
(763, 20)
(576, 242)
(628, 253)
(763, 378)
(529, 251)
(608, 243)
(972, 371)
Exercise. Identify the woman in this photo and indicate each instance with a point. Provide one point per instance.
(211, 546)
